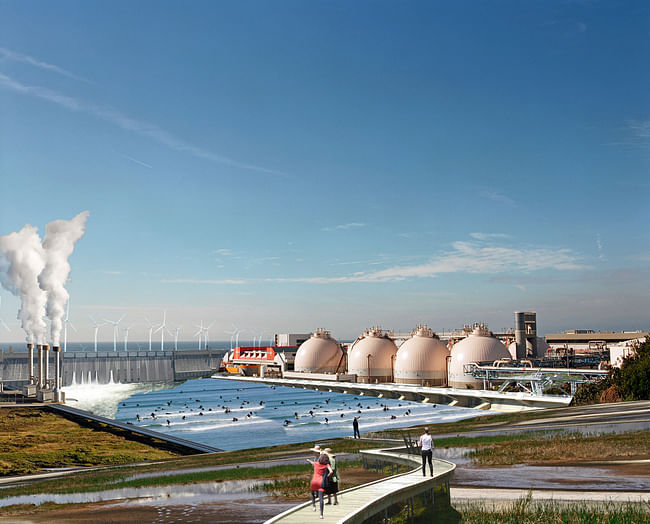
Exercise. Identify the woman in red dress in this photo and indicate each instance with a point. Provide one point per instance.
(321, 467)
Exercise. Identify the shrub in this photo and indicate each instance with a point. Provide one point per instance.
(611, 394)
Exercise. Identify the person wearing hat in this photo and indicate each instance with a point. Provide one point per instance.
(321, 477)
(333, 486)
(426, 444)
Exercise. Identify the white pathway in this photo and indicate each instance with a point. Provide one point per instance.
(360, 503)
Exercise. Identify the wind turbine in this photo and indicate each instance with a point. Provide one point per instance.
(161, 328)
(66, 321)
(97, 326)
(234, 334)
(259, 340)
(126, 337)
(150, 331)
(115, 330)
(199, 333)
(205, 340)
(175, 335)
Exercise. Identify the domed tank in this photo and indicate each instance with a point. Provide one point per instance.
(422, 359)
(371, 357)
(319, 354)
(479, 346)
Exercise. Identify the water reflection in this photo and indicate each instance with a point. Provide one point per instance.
(191, 494)
(548, 477)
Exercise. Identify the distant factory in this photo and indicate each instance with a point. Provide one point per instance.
(424, 358)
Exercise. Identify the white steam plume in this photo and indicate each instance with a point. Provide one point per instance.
(22, 260)
(58, 245)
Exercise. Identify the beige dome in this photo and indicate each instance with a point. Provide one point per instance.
(371, 357)
(422, 359)
(479, 346)
(319, 354)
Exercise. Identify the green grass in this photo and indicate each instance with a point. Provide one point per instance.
(525, 511)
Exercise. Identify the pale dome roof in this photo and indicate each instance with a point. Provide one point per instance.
(318, 354)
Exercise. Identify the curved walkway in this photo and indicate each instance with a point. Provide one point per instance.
(362, 502)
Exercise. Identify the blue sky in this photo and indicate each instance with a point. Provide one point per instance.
(290, 165)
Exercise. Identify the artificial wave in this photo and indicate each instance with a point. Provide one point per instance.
(89, 394)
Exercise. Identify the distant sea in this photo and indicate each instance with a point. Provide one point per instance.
(133, 345)
(266, 415)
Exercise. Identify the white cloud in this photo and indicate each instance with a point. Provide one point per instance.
(489, 236)
(204, 281)
(497, 196)
(349, 225)
(599, 245)
(127, 123)
(223, 252)
(465, 257)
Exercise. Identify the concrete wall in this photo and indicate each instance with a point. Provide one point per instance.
(121, 366)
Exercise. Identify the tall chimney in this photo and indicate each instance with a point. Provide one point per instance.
(57, 374)
(40, 366)
(30, 349)
(46, 351)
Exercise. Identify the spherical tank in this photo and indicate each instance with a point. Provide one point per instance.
(371, 357)
(422, 359)
(319, 354)
(479, 346)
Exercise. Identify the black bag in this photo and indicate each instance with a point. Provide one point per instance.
(325, 484)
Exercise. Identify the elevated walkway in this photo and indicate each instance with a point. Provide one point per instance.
(372, 500)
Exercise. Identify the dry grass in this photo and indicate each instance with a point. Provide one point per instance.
(565, 448)
(32, 439)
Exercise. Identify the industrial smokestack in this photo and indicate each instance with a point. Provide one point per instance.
(40, 366)
(30, 349)
(526, 333)
(46, 359)
(57, 373)
(520, 334)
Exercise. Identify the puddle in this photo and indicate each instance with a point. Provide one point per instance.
(190, 494)
(548, 477)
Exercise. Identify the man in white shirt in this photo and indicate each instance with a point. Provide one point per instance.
(426, 444)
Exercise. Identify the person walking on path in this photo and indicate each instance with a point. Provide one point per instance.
(355, 426)
(322, 471)
(426, 444)
(333, 487)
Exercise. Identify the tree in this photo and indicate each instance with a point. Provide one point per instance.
(633, 377)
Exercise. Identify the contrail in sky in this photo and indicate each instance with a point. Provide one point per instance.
(127, 123)
(8, 54)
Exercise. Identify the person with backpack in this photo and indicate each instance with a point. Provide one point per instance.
(333, 487)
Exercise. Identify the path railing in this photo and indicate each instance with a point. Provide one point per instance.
(372, 502)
